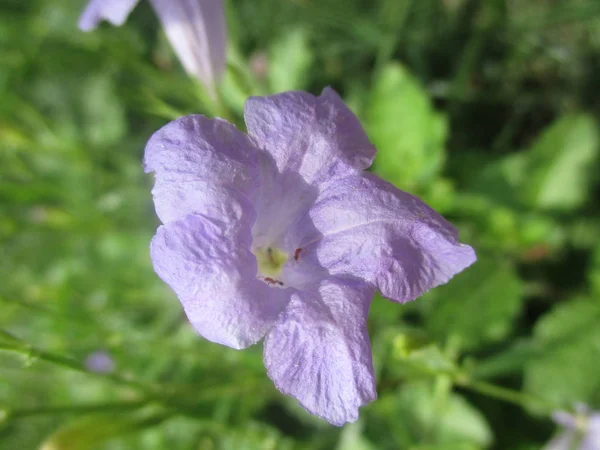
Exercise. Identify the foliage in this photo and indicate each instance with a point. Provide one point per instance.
(488, 110)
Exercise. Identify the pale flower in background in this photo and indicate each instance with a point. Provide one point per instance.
(581, 430)
(195, 28)
(100, 362)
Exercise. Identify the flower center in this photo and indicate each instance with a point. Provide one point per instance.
(270, 261)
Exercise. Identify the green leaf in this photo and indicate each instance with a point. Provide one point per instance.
(408, 133)
(89, 431)
(594, 271)
(560, 166)
(290, 61)
(351, 438)
(419, 363)
(102, 111)
(500, 179)
(566, 370)
(478, 306)
(254, 436)
(446, 421)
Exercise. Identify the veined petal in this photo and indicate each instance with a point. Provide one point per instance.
(202, 166)
(318, 137)
(366, 228)
(173, 201)
(319, 350)
(198, 34)
(115, 11)
(213, 272)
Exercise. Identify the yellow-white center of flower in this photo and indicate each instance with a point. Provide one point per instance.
(270, 262)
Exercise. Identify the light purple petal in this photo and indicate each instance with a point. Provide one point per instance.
(318, 137)
(281, 199)
(115, 11)
(565, 419)
(198, 34)
(319, 351)
(364, 227)
(174, 201)
(213, 272)
(591, 440)
(563, 441)
(202, 166)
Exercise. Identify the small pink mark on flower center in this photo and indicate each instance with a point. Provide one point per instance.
(272, 281)
(297, 254)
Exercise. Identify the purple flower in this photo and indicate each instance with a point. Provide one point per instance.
(280, 234)
(582, 430)
(100, 362)
(195, 28)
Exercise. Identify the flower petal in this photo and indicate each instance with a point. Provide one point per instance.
(319, 351)
(319, 137)
(198, 34)
(591, 439)
(563, 441)
(213, 272)
(115, 11)
(566, 419)
(174, 201)
(281, 199)
(366, 228)
(202, 166)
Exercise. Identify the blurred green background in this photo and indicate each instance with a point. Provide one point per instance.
(488, 110)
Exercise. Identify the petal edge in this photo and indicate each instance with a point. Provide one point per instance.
(319, 351)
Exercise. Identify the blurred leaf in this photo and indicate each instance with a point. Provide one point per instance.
(500, 179)
(408, 133)
(509, 361)
(442, 421)
(351, 438)
(478, 306)
(102, 111)
(566, 371)
(254, 436)
(583, 232)
(89, 431)
(290, 60)
(560, 165)
(422, 362)
(238, 83)
(594, 271)
(440, 195)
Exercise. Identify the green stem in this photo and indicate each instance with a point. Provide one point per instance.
(504, 394)
(213, 102)
(173, 397)
(395, 13)
(10, 414)
(6, 335)
(32, 353)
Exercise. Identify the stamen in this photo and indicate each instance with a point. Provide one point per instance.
(270, 255)
(270, 261)
(270, 280)
(297, 254)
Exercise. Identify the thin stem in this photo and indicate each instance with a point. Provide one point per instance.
(6, 335)
(10, 414)
(395, 14)
(173, 397)
(32, 353)
(504, 394)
